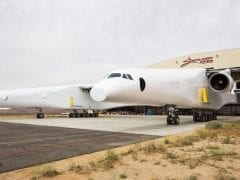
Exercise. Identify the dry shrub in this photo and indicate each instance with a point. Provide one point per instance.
(108, 160)
(214, 125)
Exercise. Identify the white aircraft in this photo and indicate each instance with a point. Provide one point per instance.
(204, 90)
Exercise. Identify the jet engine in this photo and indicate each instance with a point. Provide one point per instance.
(221, 82)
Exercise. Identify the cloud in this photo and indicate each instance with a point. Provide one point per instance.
(61, 42)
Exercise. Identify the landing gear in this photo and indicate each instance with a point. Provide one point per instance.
(204, 115)
(172, 118)
(74, 114)
(40, 114)
(83, 113)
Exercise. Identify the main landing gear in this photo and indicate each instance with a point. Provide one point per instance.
(83, 113)
(74, 114)
(40, 114)
(204, 115)
(199, 115)
(173, 117)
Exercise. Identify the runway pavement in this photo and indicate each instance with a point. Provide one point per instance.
(23, 145)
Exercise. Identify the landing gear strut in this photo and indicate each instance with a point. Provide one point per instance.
(204, 115)
(40, 114)
(172, 117)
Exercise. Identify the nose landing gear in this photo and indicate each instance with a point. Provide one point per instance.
(172, 118)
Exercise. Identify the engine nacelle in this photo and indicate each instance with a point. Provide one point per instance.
(221, 82)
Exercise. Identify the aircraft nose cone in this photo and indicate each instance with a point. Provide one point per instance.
(98, 94)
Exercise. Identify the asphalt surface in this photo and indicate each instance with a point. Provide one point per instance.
(24, 145)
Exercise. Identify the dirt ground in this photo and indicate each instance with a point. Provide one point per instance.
(201, 154)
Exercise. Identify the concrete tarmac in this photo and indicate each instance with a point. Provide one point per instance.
(149, 125)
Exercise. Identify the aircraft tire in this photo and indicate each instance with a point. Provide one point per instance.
(71, 115)
(204, 118)
(40, 116)
(214, 117)
(195, 118)
(176, 120)
(207, 117)
(95, 115)
(169, 120)
(210, 117)
(200, 118)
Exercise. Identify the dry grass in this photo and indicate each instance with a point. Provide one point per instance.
(107, 162)
(216, 147)
(45, 171)
(225, 177)
(186, 140)
(153, 148)
(75, 168)
(122, 176)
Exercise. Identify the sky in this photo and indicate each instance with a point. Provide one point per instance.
(57, 42)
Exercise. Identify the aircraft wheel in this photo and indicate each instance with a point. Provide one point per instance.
(214, 117)
(195, 118)
(201, 118)
(169, 120)
(204, 118)
(176, 120)
(77, 115)
(71, 115)
(40, 116)
(208, 117)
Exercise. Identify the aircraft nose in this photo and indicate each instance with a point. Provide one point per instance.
(112, 90)
(98, 94)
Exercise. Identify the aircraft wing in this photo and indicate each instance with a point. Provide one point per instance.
(63, 97)
(86, 86)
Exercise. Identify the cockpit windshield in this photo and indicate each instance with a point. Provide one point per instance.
(124, 76)
(127, 76)
(116, 75)
(113, 75)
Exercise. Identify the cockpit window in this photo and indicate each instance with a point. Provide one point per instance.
(124, 76)
(129, 77)
(113, 75)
